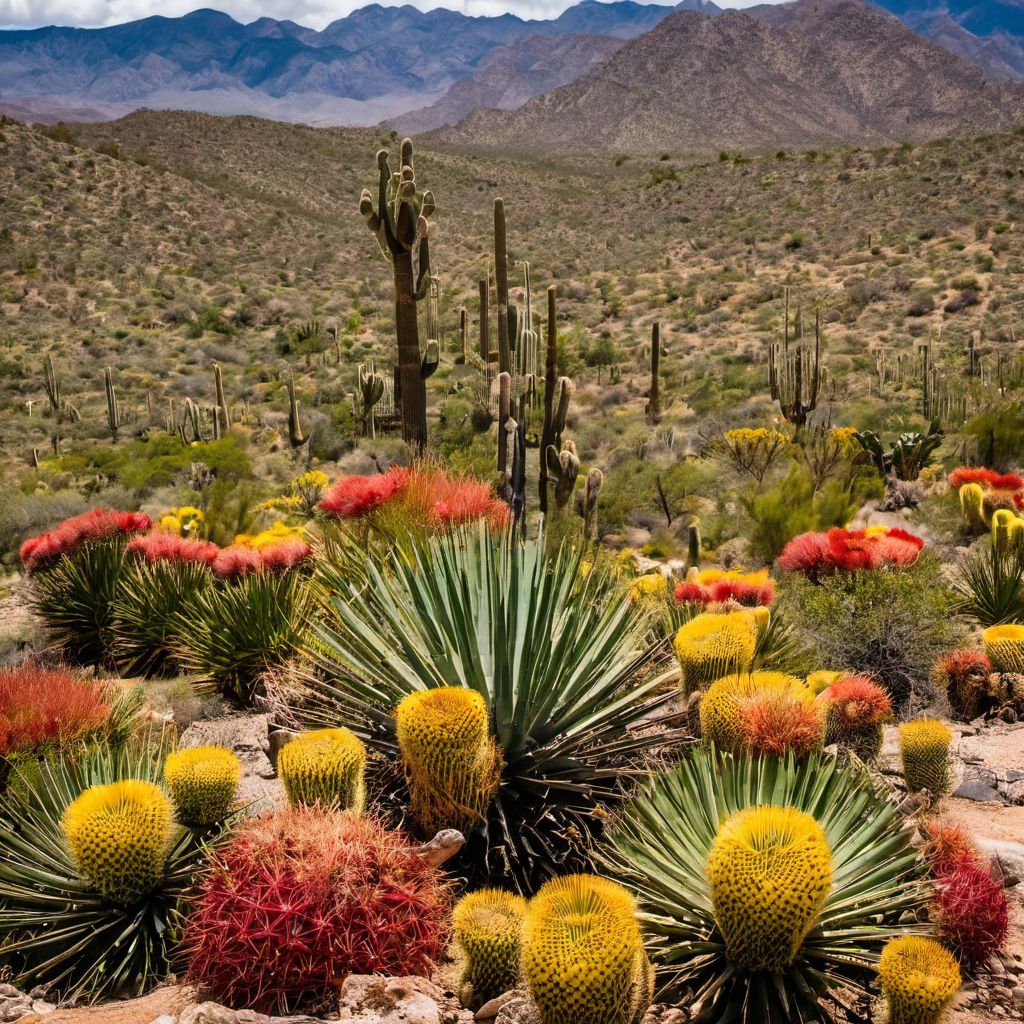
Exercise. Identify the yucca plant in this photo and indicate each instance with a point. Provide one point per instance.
(556, 654)
(661, 844)
(153, 603)
(56, 929)
(990, 583)
(233, 633)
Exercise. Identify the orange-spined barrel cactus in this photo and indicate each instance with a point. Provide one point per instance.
(761, 712)
(919, 977)
(118, 836)
(488, 926)
(1004, 646)
(924, 749)
(583, 957)
(202, 781)
(856, 708)
(770, 870)
(326, 766)
(713, 644)
(451, 760)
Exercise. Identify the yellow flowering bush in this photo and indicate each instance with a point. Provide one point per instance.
(186, 521)
(754, 450)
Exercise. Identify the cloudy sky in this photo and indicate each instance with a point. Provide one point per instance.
(314, 13)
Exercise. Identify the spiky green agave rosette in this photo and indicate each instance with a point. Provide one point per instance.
(56, 929)
(660, 846)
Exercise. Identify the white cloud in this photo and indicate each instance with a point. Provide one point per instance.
(313, 13)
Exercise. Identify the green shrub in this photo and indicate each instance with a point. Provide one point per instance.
(890, 624)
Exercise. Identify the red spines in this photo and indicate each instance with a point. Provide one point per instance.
(820, 554)
(303, 898)
(42, 551)
(40, 706)
(355, 496)
(859, 702)
(988, 478)
(777, 725)
(971, 911)
(169, 547)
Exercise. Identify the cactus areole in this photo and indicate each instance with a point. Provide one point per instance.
(401, 222)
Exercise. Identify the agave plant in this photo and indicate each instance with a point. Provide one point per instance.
(661, 844)
(55, 927)
(990, 583)
(556, 654)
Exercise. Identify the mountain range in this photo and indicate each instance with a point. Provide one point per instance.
(623, 73)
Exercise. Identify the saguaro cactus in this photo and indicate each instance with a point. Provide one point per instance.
(113, 410)
(501, 287)
(222, 403)
(794, 372)
(400, 222)
(654, 400)
(295, 436)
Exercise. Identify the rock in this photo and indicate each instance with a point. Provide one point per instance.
(1017, 995)
(214, 1013)
(367, 999)
(15, 1004)
(975, 789)
(248, 735)
(1009, 858)
(519, 1009)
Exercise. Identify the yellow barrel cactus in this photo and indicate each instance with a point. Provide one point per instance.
(821, 680)
(118, 836)
(202, 781)
(919, 977)
(1004, 646)
(583, 955)
(770, 871)
(451, 760)
(488, 926)
(713, 644)
(972, 500)
(924, 750)
(325, 766)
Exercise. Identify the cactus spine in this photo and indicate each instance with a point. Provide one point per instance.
(770, 871)
(919, 977)
(401, 221)
(583, 956)
(488, 926)
(451, 761)
(654, 400)
(118, 836)
(326, 767)
(202, 781)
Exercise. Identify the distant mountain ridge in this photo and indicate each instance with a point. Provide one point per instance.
(801, 74)
(375, 62)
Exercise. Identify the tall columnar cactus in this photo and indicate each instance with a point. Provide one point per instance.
(488, 926)
(504, 419)
(451, 760)
(548, 438)
(1004, 646)
(693, 546)
(654, 399)
(712, 645)
(52, 385)
(296, 438)
(794, 371)
(919, 978)
(203, 782)
(564, 466)
(223, 411)
(583, 956)
(924, 751)
(501, 287)
(770, 871)
(586, 499)
(371, 391)
(326, 767)
(113, 409)
(119, 836)
(400, 221)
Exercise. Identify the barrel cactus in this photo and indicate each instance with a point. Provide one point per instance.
(488, 926)
(856, 708)
(202, 781)
(583, 956)
(924, 749)
(119, 836)
(972, 498)
(325, 766)
(713, 644)
(919, 977)
(450, 757)
(770, 871)
(1004, 646)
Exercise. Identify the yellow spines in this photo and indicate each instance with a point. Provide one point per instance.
(118, 836)
(451, 761)
(1004, 646)
(714, 644)
(325, 766)
(924, 750)
(583, 955)
(770, 870)
(919, 977)
(972, 498)
(649, 590)
(722, 706)
(822, 680)
(202, 781)
(488, 927)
